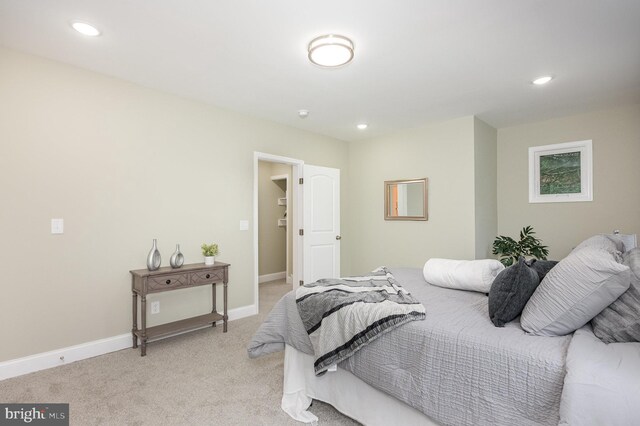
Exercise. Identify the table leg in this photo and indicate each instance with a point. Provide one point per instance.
(213, 297)
(143, 319)
(225, 317)
(134, 328)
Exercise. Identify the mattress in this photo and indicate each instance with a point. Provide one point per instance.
(454, 366)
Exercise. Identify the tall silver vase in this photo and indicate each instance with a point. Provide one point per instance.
(154, 259)
(177, 258)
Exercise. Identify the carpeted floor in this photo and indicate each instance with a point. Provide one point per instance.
(198, 378)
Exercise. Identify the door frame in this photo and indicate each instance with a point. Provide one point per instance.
(296, 218)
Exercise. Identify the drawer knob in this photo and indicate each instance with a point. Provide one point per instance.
(208, 275)
(168, 282)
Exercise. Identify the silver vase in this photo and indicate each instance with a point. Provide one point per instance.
(154, 259)
(177, 258)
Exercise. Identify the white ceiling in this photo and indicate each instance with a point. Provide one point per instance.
(416, 61)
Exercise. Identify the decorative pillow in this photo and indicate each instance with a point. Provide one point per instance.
(620, 321)
(542, 267)
(610, 243)
(474, 275)
(577, 289)
(511, 291)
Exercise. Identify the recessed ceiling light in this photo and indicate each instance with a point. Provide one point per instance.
(542, 80)
(303, 113)
(86, 29)
(330, 50)
(362, 126)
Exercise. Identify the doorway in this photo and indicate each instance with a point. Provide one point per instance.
(275, 266)
(313, 220)
(276, 216)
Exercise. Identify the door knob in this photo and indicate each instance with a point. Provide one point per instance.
(338, 237)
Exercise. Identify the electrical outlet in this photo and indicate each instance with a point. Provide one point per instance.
(155, 307)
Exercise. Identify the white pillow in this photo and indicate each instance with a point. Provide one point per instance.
(602, 385)
(473, 275)
(577, 289)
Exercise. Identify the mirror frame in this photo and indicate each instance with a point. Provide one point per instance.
(388, 183)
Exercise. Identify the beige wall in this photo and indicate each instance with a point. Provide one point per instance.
(486, 208)
(442, 152)
(122, 164)
(272, 240)
(279, 169)
(616, 177)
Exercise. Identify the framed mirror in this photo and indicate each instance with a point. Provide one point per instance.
(405, 199)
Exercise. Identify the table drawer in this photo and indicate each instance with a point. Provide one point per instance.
(166, 282)
(207, 277)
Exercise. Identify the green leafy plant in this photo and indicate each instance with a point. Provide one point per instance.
(209, 250)
(510, 250)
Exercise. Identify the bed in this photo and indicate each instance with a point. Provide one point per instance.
(453, 368)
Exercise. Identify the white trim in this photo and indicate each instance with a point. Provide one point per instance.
(289, 279)
(241, 312)
(296, 216)
(55, 358)
(272, 277)
(42, 361)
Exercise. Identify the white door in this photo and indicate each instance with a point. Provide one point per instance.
(321, 223)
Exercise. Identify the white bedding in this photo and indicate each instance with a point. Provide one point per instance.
(602, 384)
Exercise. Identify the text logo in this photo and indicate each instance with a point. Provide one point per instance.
(34, 414)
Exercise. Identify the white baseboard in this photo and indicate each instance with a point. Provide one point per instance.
(55, 358)
(289, 279)
(241, 312)
(272, 277)
(42, 361)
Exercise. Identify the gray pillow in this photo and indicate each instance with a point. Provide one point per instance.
(510, 292)
(542, 267)
(577, 289)
(610, 243)
(620, 321)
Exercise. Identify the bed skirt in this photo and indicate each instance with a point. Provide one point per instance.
(344, 391)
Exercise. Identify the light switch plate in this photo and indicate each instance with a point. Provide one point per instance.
(244, 225)
(57, 226)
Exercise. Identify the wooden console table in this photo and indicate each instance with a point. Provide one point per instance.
(144, 282)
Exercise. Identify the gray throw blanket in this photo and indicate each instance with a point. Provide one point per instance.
(343, 315)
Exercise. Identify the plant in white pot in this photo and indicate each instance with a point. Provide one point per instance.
(209, 251)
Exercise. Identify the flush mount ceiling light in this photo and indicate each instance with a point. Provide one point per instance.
(330, 50)
(362, 126)
(86, 29)
(542, 80)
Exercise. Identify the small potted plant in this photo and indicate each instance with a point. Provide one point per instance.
(209, 251)
(529, 246)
